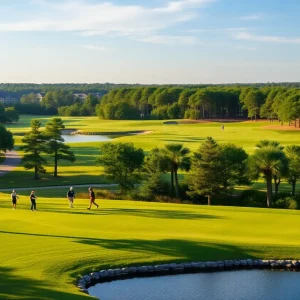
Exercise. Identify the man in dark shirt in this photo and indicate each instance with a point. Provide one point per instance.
(32, 198)
(71, 197)
(92, 198)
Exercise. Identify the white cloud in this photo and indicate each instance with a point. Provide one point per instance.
(106, 18)
(96, 47)
(218, 29)
(168, 40)
(252, 17)
(266, 38)
(175, 6)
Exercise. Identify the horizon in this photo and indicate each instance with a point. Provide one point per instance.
(163, 42)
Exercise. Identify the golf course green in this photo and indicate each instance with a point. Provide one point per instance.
(157, 134)
(44, 252)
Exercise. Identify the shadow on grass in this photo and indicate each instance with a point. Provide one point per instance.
(18, 287)
(179, 249)
(146, 213)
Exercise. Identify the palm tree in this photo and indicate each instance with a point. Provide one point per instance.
(276, 177)
(268, 161)
(293, 154)
(177, 158)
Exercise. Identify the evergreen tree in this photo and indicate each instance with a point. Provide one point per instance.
(205, 178)
(55, 143)
(233, 166)
(34, 146)
(154, 185)
(6, 139)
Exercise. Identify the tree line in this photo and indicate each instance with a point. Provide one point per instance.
(173, 102)
(19, 89)
(213, 170)
(213, 102)
(58, 102)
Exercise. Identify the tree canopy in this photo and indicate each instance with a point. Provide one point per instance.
(122, 163)
(6, 139)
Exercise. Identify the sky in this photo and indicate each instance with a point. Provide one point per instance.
(149, 42)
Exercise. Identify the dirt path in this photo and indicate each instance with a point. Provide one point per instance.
(60, 186)
(12, 160)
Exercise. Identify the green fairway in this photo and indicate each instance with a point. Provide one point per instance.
(245, 134)
(42, 252)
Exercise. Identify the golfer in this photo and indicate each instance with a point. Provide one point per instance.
(33, 198)
(92, 198)
(71, 196)
(14, 198)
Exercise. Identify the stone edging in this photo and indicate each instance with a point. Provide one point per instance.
(87, 281)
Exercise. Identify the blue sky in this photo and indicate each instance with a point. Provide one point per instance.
(158, 41)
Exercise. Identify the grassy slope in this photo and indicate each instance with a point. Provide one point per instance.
(42, 252)
(245, 134)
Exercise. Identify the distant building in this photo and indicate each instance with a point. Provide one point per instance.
(39, 97)
(80, 97)
(97, 95)
(9, 101)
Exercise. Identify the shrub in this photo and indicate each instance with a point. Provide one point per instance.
(154, 186)
(287, 202)
(253, 198)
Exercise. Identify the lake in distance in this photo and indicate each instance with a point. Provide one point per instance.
(80, 138)
(227, 285)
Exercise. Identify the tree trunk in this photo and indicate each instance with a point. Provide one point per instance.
(277, 182)
(55, 164)
(36, 173)
(269, 191)
(295, 123)
(209, 200)
(176, 184)
(293, 187)
(203, 113)
(172, 183)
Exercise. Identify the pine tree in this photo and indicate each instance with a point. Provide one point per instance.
(55, 143)
(34, 146)
(6, 139)
(204, 178)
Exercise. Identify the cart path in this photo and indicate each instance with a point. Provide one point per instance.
(12, 160)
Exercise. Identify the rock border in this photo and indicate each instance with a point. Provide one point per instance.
(102, 276)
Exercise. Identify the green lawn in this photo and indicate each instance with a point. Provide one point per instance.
(84, 170)
(42, 252)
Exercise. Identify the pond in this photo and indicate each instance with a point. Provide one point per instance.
(80, 138)
(230, 285)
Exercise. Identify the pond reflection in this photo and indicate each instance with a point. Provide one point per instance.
(232, 285)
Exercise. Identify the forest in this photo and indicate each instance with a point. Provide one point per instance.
(125, 102)
(270, 102)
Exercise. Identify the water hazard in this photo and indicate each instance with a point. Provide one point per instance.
(234, 285)
(80, 138)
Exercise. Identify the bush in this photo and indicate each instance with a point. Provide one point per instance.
(154, 186)
(253, 198)
(287, 202)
